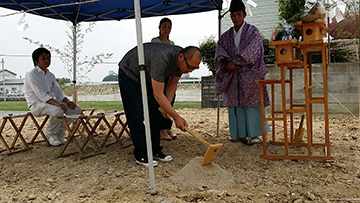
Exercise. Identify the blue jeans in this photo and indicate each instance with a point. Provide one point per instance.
(131, 97)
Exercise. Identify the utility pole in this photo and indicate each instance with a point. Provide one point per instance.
(3, 70)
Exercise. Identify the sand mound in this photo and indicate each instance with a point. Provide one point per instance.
(195, 176)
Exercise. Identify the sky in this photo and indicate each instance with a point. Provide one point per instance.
(115, 37)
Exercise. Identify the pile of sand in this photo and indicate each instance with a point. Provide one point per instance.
(195, 176)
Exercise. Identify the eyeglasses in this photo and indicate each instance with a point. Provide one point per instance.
(188, 66)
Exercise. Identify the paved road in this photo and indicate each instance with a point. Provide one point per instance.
(5, 113)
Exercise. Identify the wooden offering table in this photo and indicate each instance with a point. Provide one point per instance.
(288, 56)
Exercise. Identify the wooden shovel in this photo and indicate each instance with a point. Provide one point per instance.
(212, 149)
(300, 131)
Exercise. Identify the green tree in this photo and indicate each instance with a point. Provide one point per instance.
(62, 81)
(208, 48)
(353, 8)
(291, 11)
(352, 20)
(84, 66)
(111, 78)
(269, 53)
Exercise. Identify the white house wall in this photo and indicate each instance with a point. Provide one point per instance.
(11, 82)
(7, 74)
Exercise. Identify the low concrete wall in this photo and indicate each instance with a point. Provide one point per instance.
(209, 99)
(185, 92)
(343, 87)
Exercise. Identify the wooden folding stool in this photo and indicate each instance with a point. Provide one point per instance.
(11, 149)
(90, 110)
(39, 129)
(86, 112)
(123, 125)
(81, 120)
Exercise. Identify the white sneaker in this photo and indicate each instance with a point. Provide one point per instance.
(143, 161)
(53, 141)
(162, 157)
(62, 139)
(254, 140)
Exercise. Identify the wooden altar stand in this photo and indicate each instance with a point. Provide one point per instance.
(287, 56)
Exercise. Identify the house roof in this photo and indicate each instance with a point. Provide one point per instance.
(8, 71)
(346, 29)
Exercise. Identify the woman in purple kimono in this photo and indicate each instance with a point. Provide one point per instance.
(239, 63)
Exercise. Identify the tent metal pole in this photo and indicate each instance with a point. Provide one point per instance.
(328, 35)
(218, 97)
(220, 16)
(74, 63)
(141, 59)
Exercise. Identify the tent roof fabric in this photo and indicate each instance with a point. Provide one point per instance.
(100, 10)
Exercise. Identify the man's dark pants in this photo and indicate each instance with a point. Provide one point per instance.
(132, 100)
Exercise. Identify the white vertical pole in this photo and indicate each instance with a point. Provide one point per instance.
(218, 97)
(74, 62)
(328, 35)
(140, 49)
(3, 69)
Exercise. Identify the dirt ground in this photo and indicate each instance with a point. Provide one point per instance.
(238, 173)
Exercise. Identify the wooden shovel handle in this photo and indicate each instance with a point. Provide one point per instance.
(301, 121)
(197, 136)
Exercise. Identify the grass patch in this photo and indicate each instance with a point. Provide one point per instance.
(100, 105)
(14, 106)
(68, 90)
(181, 105)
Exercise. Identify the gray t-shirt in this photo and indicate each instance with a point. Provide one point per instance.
(160, 62)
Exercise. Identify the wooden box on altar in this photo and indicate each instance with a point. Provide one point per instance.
(312, 31)
(285, 51)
